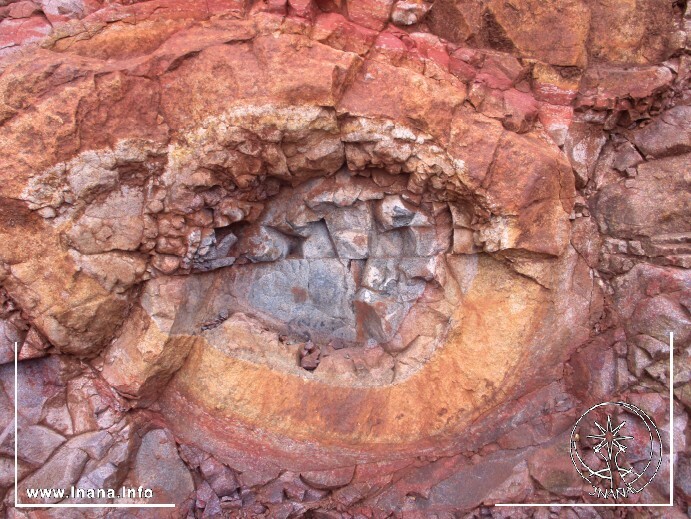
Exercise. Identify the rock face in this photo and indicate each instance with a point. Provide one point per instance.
(338, 259)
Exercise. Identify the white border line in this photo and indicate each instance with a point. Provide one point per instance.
(16, 466)
(671, 453)
(671, 418)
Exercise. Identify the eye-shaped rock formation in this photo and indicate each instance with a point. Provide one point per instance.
(348, 262)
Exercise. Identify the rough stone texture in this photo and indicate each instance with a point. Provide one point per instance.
(340, 259)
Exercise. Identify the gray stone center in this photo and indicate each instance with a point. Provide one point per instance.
(336, 259)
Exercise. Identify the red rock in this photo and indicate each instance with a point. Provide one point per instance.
(519, 28)
(641, 38)
(512, 154)
(395, 97)
(499, 71)
(668, 135)
(23, 9)
(602, 86)
(583, 145)
(22, 31)
(336, 31)
(328, 479)
(431, 48)
(396, 47)
(476, 148)
(520, 110)
(372, 14)
(556, 121)
(462, 70)
(303, 8)
(62, 470)
(552, 468)
(220, 477)
(554, 86)
(593, 370)
(158, 467)
(409, 12)
(645, 208)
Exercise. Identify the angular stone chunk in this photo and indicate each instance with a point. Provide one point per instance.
(583, 146)
(141, 359)
(380, 275)
(627, 156)
(308, 296)
(379, 316)
(350, 228)
(425, 241)
(393, 212)
(463, 242)
(654, 203)
(667, 135)
(424, 268)
(265, 244)
(65, 466)
(158, 466)
(328, 479)
(102, 477)
(387, 244)
(221, 248)
(37, 443)
(461, 214)
(221, 479)
(317, 244)
(114, 224)
(9, 334)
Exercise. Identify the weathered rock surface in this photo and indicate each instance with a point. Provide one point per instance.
(339, 259)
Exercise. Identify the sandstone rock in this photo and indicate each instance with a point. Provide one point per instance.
(266, 245)
(556, 475)
(157, 466)
(515, 29)
(392, 213)
(626, 157)
(328, 480)
(37, 443)
(583, 146)
(65, 466)
(350, 229)
(220, 477)
(140, 361)
(409, 13)
(668, 135)
(625, 212)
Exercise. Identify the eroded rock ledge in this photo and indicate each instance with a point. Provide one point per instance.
(339, 259)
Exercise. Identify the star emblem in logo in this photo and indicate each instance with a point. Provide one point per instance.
(609, 438)
(600, 443)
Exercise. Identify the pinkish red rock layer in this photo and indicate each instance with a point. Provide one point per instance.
(339, 259)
